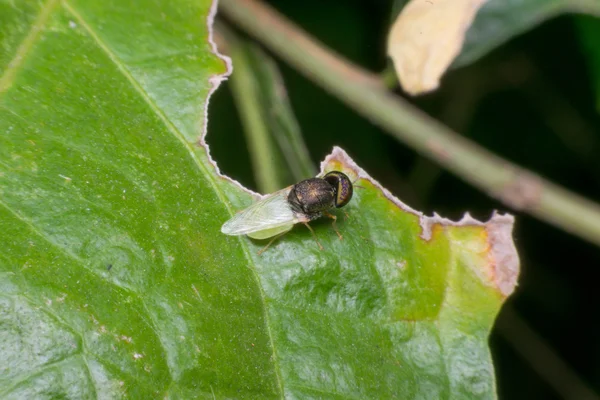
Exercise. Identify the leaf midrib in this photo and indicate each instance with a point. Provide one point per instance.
(39, 23)
(6, 81)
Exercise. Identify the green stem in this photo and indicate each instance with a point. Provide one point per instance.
(244, 90)
(361, 90)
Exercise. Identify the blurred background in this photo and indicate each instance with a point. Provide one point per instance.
(533, 100)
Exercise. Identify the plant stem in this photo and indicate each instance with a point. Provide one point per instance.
(362, 91)
(244, 90)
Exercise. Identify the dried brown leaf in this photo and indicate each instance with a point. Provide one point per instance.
(426, 37)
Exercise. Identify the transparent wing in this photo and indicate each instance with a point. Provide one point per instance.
(271, 212)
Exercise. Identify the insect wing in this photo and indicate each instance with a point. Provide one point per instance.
(271, 212)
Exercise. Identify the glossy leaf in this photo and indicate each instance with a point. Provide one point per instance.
(116, 281)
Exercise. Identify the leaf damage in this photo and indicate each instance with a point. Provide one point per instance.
(215, 81)
(503, 260)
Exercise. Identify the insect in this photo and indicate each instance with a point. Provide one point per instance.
(303, 202)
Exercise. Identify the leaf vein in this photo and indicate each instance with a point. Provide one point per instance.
(39, 371)
(202, 167)
(8, 76)
(61, 249)
(88, 372)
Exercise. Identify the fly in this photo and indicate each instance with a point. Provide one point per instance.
(303, 202)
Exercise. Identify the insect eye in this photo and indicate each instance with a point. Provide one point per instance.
(342, 187)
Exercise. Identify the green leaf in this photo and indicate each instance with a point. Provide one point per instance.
(116, 281)
(500, 20)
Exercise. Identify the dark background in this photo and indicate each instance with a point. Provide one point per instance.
(533, 102)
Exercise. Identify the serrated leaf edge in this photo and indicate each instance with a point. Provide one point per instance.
(504, 261)
(215, 81)
(503, 258)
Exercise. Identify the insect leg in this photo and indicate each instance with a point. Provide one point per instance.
(270, 241)
(334, 218)
(314, 234)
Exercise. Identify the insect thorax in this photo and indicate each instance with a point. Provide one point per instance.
(312, 197)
